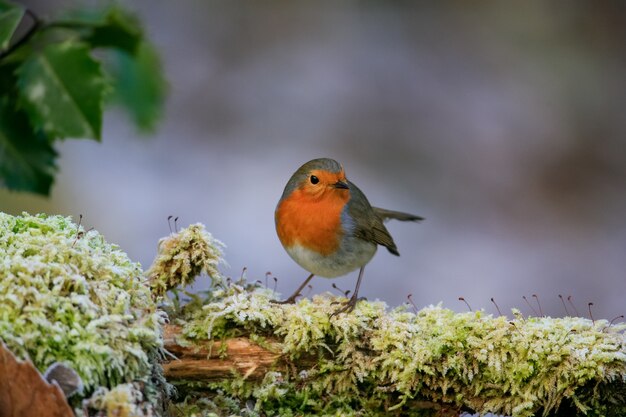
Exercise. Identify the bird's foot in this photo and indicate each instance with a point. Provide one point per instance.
(290, 300)
(348, 307)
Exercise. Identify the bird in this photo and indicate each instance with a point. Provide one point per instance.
(328, 227)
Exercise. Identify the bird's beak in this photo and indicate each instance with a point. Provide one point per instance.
(341, 185)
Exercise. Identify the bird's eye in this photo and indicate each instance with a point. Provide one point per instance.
(314, 179)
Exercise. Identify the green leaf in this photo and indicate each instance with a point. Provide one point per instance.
(10, 16)
(139, 85)
(62, 89)
(27, 160)
(116, 29)
(7, 78)
(108, 27)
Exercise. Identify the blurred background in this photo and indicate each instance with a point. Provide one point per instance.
(502, 124)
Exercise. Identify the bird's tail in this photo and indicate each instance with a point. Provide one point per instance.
(397, 215)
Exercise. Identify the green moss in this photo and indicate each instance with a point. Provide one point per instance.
(379, 362)
(217, 404)
(66, 295)
(182, 256)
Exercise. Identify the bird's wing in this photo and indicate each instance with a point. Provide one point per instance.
(368, 224)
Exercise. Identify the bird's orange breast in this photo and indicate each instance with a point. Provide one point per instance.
(311, 221)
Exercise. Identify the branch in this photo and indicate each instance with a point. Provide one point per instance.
(390, 362)
(37, 23)
(213, 361)
(239, 356)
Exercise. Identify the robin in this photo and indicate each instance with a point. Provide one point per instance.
(327, 226)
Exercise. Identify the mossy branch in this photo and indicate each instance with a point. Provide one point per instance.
(238, 358)
(68, 296)
(381, 362)
(304, 360)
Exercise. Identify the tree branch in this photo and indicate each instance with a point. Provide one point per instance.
(211, 361)
(222, 360)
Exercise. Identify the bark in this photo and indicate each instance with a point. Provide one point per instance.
(211, 361)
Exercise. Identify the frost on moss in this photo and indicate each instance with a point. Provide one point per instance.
(182, 256)
(379, 362)
(66, 295)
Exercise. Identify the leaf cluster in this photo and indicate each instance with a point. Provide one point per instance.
(55, 79)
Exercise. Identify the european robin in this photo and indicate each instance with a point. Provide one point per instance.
(327, 226)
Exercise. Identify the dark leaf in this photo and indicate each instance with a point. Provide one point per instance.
(27, 160)
(140, 85)
(115, 29)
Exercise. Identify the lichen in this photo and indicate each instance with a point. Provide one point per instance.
(182, 256)
(66, 295)
(379, 362)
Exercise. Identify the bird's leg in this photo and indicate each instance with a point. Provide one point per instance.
(292, 298)
(354, 299)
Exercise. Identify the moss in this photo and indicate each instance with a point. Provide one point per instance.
(217, 404)
(66, 295)
(379, 362)
(124, 400)
(182, 256)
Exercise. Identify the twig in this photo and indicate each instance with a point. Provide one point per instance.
(37, 24)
